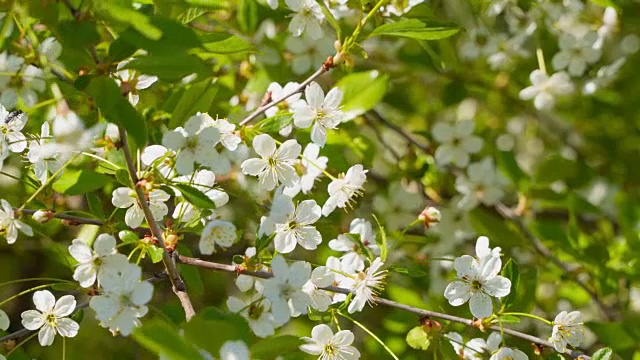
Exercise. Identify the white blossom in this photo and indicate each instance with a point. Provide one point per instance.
(234, 350)
(344, 188)
(123, 298)
(482, 184)
(457, 142)
(321, 277)
(275, 165)
(320, 112)
(353, 259)
(544, 88)
(126, 198)
(92, 262)
(568, 329)
(329, 346)
(307, 52)
(30, 83)
(298, 228)
(507, 353)
(474, 348)
(11, 124)
(51, 317)
(313, 166)
(366, 285)
(478, 280)
(478, 42)
(195, 144)
(217, 232)
(43, 161)
(202, 180)
(257, 311)
(308, 17)
(576, 53)
(130, 81)
(9, 225)
(160, 157)
(284, 289)
(277, 92)
(4, 321)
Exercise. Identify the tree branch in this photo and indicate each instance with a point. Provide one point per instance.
(323, 68)
(381, 301)
(179, 287)
(508, 214)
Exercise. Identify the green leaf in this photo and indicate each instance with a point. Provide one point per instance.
(495, 227)
(228, 326)
(195, 196)
(276, 123)
(381, 240)
(247, 15)
(176, 38)
(78, 182)
(509, 319)
(128, 236)
(554, 167)
(362, 91)
(410, 270)
(115, 107)
(264, 242)
(418, 339)
(416, 29)
(155, 253)
(162, 338)
(198, 97)
(120, 50)
(511, 272)
(507, 163)
(216, 4)
(223, 43)
(78, 34)
(95, 205)
(110, 10)
(602, 354)
(170, 67)
(273, 347)
(123, 177)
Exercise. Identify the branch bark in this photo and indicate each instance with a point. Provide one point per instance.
(381, 301)
(179, 287)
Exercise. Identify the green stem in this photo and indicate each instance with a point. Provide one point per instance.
(529, 316)
(49, 180)
(354, 37)
(370, 334)
(34, 279)
(26, 292)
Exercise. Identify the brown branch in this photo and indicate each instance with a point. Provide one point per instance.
(179, 287)
(508, 214)
(323, 68)
(381, 301)
(374, 115)
(71, 218)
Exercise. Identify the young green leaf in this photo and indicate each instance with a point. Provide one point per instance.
(381, 240)
(511, 272)
(195, 196)
(416, 29)
(418, 339)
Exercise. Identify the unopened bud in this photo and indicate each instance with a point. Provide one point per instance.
(42, 216)
(171, 241)
(430, 216)
(431, 326)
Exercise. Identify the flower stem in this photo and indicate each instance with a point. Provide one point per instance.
(49, 181)
(370, 334)
(34, 279)
(529, 316)
(26, 292)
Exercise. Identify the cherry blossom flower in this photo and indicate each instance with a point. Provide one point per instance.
(344, 188)
(11, 124)
(9, 64)
(474, 348)
(544, 88)
(4, 152)
(123, 298)
(353, 259)
(308, 17)
(42, 160)
(51, 317)
(308, 52)
(457, 142)
(9, 225)
(217, 232)
(479, 280)
(29, 83)
(365, 285)
(320, 112)
(159, 156)
(92, 262)
(126, 198)
(277, 92)
(321, 277)
(568, 329)
(313, 166)
(194, 143)
(275, 164)
(130, 81)
(576, 53)
(482, 184)
(479, 43)
(284, 289)
(4, 321)
(329, 346)
(257, 312)
(507, 353)
(298, 229)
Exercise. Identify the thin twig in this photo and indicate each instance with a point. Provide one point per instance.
(179, 287)
(374, 115)
(70, 218)
(323, 68)
(381, 301)
(508, 214)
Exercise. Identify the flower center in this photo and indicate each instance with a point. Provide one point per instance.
(272, 162)
(255, 311)
(476, 285)
(51, 319)
(329, 349)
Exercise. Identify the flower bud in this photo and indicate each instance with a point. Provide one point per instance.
(429, 216)
(42, 216)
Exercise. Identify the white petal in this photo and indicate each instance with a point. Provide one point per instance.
(480, 305)
(65, 306)
(264, 145)
(32, 319)
(67, 327)
(46, 335)
(44, 300)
